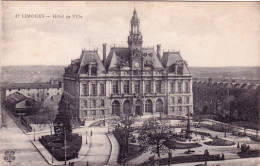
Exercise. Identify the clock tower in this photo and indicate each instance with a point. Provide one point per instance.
(135, 39)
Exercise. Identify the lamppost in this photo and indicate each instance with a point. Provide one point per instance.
(34, 134)
(86, 137)
(108, 128)
(104, 118)
(65, 147)
(52, 154)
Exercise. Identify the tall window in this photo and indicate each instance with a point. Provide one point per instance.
(102, 112)
(179, 100)
(137, 87)
(179, 87)
(126, 87)
(187, 100)
(148, 87)
(158, 86)
(159, 105)
(85, 89)
(115, 87)
(102, 102)
(93, 89)
(148, 106)
(187, 87)
(172, 87)
(102, 89)
(173, 102)
(93, 103)
(85, 103)
(93, 112)
(116, 108)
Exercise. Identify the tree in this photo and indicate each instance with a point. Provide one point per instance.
(62, 120)
(154, 136)
(50, 116)
(248, 106)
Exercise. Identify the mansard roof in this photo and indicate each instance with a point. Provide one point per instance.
(124, 54)
(89, 57)
(78, 66)
(170, 58)
(116, 53)
(150, 55)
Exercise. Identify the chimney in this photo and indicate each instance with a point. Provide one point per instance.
(104, 52)
(158, 51)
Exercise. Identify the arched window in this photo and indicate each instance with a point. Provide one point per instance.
(159, 105)
(127, 107)
(148, 106)
(116, 108)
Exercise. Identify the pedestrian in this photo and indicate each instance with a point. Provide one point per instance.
(91, 133)
(223, 157)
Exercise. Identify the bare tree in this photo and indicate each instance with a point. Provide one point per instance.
(154, 135)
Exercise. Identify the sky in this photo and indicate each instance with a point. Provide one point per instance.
(207, 34)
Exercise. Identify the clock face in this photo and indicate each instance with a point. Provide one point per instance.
(137, 64)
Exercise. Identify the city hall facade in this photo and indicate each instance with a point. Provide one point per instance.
(132, 80)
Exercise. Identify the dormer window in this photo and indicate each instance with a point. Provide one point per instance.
(93, 70)
(180, 70)
(86, 68)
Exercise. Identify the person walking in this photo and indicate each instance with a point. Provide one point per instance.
(223, 157)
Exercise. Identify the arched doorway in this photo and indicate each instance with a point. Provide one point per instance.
(138, 107)
(127, 107)
(115, 108)
(159, 105)
(148, 106)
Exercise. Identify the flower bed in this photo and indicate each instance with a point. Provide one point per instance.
(177, 145)
(185, 159)
(249, 153)
(55, 146)
(219, 142)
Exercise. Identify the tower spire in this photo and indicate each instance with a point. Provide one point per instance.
(135, 38)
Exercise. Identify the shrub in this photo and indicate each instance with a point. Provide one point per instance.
(73, 145)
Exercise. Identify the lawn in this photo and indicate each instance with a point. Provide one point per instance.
(185, 159)
(177, 145)
(250, 153)
(219, 142)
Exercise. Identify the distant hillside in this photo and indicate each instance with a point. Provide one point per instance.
(30, 73)
(248, 73)
(44, 73)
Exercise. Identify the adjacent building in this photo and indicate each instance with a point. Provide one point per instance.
(235, 99)
(132, 80)
(21, 105)
(37, 91)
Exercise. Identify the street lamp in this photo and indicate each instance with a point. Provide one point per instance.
(65, 146)
(52, 154)
(34, 134)
(108, 128)
(86, 137)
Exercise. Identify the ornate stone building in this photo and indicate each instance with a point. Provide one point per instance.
(133, 80)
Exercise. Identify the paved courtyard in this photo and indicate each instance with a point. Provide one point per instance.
(12, 138)
(103, 149)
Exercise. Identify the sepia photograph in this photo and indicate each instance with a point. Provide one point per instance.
(130, 83)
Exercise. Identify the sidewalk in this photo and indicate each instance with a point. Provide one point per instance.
(114, 151)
